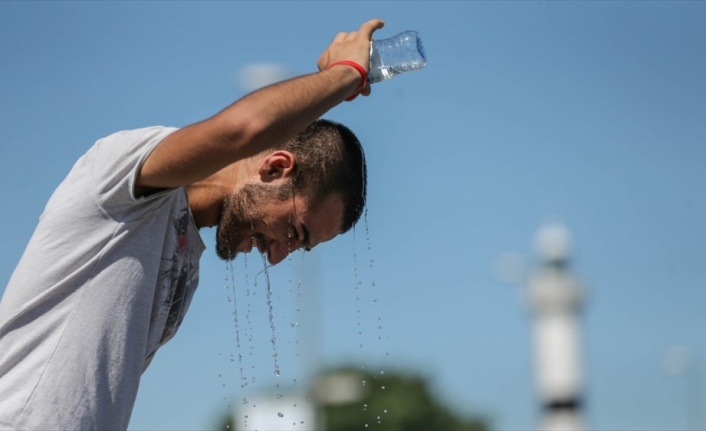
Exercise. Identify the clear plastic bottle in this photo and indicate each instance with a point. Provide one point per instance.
(399, 54)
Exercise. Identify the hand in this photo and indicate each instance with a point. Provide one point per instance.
(353, 46)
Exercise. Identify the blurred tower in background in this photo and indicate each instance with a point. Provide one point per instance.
(556, 299)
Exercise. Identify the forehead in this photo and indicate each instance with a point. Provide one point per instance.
(322, 220)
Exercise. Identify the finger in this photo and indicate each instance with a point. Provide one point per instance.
(369, 27)
(339, 37)
(352, 35)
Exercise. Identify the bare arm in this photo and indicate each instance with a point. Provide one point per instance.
(259, 120)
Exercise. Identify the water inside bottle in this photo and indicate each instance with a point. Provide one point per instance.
(390, 57)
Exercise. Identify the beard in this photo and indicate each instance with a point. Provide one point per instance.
(241, 219)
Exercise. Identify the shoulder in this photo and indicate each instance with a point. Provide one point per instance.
(137, 137)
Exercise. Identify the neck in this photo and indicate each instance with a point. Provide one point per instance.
(205, 202)
(206, 197)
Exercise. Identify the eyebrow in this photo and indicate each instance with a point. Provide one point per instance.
(307, 238)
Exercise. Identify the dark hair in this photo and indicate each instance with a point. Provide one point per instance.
(330, 160)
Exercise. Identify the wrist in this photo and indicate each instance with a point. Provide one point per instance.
(361, 72)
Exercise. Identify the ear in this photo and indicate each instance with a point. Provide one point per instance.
(277, 165)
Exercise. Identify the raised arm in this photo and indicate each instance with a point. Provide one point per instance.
(261, 119)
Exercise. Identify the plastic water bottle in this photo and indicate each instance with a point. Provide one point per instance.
(399, 54)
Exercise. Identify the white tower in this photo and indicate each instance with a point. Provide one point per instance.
(555, 299)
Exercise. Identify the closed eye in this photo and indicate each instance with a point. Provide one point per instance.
(295, 236)
(306, 240)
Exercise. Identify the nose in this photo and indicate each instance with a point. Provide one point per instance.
(278, 251)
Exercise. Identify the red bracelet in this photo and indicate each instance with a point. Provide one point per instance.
(360, 69)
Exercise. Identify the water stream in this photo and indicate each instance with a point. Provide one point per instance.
(250, 324)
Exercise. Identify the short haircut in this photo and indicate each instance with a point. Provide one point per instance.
(330, 160)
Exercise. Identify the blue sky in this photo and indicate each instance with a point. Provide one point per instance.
(592, 114)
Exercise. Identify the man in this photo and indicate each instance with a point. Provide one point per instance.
(111, 269)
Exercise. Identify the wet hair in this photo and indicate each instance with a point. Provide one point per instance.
(330, 160)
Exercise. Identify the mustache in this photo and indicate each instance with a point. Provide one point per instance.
(258, 242)
(226, 245)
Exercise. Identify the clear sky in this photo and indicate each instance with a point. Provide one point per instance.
(592, 114)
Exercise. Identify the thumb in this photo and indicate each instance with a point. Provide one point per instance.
(369, 27)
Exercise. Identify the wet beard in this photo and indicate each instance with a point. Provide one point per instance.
(240, 217)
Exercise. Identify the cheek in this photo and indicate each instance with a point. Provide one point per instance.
(281, 233)
(278, 230)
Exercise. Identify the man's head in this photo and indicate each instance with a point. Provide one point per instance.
(330, 160)
(309, 189)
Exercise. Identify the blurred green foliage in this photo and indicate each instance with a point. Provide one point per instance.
(396, 401)
(389, 401)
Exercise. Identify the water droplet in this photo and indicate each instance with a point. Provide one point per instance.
(280, 414)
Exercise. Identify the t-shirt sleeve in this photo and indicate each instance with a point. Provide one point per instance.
(116, 161)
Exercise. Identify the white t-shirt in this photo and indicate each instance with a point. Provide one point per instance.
(105, 281)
